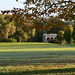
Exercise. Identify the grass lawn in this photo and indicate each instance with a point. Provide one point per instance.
(37, 59)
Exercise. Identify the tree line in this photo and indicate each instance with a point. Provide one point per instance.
(13, 31)
(67, 35)
(29, 23)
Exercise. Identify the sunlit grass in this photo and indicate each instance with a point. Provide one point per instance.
(37, 59)
(38, 49)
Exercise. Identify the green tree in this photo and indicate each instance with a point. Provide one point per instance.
(60, 36)
(2, 20)
(68, 33)
(2, 26)
(1, 33)
(19, 35)
(9, 30)
(6, 28)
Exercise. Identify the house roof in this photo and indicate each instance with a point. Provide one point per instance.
(50, 35)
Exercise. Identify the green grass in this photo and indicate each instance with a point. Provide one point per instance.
(37, 59)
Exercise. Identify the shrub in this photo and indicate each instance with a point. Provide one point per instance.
(60, 36)
(68, 33)
(53, 41)
(10, 40)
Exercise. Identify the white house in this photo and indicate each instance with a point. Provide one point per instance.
(49, 36)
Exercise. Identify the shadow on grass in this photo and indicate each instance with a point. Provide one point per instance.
(70, 70)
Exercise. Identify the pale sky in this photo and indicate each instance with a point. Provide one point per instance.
(9, 4)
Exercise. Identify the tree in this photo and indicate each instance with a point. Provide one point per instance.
(64, 8)
(19, 34)
(67, 11)
(38, 36)
(9, 30)
(68, 34)
(42, 10)
(6, 28)
(1, 32)
(56, 25)
(73, 34)
(60, 36)
(2, 20)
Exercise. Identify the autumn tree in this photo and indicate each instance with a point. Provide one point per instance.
(56, 25)
(39, 10)
(42, 10)
(67, 10)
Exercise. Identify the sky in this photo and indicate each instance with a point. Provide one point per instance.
(10, 4)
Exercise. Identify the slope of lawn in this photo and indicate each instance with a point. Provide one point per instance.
(37, 59)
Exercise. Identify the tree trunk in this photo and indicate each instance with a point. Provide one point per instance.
(19, 39)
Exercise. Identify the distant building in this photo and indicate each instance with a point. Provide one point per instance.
(46, 37)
